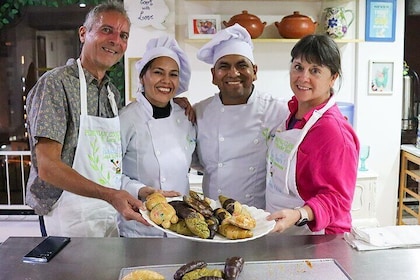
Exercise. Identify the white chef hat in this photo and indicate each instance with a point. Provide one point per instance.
(167, 46)
(231, 40)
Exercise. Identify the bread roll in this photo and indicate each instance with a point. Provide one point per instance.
(143, 274)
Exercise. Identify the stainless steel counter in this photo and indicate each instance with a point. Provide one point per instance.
(103, 258)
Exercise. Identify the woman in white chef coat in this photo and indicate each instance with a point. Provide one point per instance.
(157, 138)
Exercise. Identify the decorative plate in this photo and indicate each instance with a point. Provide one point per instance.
(262, 228)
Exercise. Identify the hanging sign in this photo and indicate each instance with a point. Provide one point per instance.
(147, 12)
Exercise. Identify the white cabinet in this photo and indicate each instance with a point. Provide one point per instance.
(363, 210)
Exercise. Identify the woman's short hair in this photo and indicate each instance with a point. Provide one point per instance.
(319, 49)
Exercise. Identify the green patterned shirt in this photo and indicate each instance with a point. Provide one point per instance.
(53, 108)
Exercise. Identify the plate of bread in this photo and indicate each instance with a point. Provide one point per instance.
(199, 218)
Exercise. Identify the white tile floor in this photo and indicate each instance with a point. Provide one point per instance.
(18, 225)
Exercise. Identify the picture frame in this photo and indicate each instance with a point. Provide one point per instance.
(132, 77)
(380, 20)
(203, 26)
(381, 77)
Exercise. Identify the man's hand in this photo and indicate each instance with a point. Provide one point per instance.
(185, 104)
(127, 206)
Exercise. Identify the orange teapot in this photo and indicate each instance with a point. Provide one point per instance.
(296, 26)
(250, 22)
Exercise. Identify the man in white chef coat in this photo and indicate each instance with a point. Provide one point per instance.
(75, 138)
(234, 125)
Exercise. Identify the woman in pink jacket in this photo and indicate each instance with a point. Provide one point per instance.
(313, 157)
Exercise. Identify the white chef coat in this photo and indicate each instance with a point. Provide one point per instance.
(156, 152)
(282, 191)
(98, 158)
(232, 145)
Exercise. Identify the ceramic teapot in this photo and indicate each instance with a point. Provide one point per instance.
(295, 26)
(336, 23)
(250, 22)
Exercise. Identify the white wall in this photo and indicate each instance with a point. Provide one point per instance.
(377, 118)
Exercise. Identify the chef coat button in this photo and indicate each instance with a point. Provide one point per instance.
(222, 110)
(221, 138)
(256, 141)
(247, 195)
(163, 180)
(252, 169)
(219, 191)
(157, 152)
(220, 164)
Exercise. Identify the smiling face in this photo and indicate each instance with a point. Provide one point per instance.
(105, 43)
(311, 83)
(161, 81)
(234, 75)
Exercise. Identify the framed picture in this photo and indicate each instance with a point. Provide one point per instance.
(203, 26)
(380, 20)
(381, 77)
(132, 77)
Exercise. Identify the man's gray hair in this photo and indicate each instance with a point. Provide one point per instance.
(109, 6)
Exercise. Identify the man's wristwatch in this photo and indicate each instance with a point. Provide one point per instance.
(303, 217)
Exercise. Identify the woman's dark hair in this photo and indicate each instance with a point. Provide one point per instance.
(146, 67)
(319, 49)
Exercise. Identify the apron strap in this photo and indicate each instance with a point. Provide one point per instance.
(316, 115)
(83, 93)
(111, 97)
(83, 89)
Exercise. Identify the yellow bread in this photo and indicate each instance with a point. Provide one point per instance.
(143, 274)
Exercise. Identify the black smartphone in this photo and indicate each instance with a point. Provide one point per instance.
(46, 250)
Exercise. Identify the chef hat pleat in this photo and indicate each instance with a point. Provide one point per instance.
(231, 40)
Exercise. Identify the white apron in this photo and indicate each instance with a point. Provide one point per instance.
(98, 158)
(282, 192)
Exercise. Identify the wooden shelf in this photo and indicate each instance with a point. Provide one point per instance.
(275, 40)
(406, 195)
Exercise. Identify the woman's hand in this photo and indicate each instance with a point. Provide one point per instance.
(285, 219)
(185, 104)
(147, 190)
